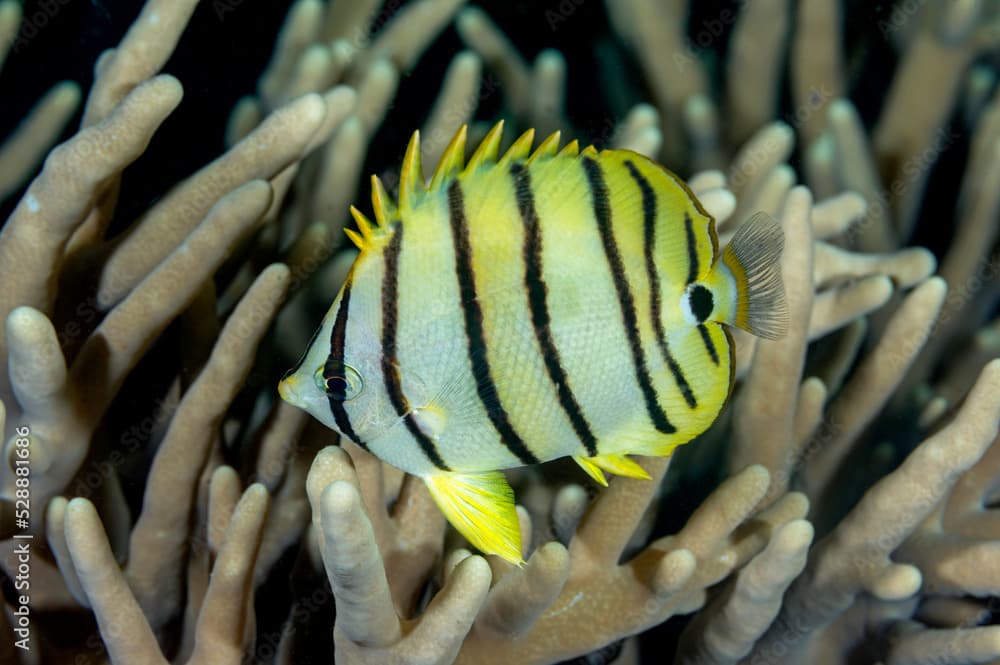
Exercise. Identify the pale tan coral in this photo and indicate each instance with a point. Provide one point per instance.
(453, 107)
(856, 171)
(756, 51)
(164, 226)
(673, 69)
(224, 617)
(766, 405)
(816, 64)
(368, 628)
(60, 197)
(872, 383)
(21, 152)
(74, 402)
(906, 130)
(855, 557)
(479, 33)
(566, 588)
(915, 645)
(158, 543)
(725, 631)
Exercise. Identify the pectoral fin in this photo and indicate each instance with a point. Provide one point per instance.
(481, 507)
(612, 463)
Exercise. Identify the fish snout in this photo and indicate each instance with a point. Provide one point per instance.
(289, 388)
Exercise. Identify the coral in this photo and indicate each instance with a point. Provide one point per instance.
(842, 509)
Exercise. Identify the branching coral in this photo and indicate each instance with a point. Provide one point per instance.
(871, 428)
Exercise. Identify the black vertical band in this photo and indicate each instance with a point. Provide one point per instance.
(475, 335)
(706, 338)
(602, 213)
(693, 268)
(334, 366)
(390, 370)
(537, 303)
(649, 247)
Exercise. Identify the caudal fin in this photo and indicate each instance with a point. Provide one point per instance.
(754, 258)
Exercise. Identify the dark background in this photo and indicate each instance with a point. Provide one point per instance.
(223, 52)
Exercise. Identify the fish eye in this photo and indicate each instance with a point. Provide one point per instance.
(342, 383)
(698, 303)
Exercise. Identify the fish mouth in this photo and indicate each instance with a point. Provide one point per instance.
(288, 389)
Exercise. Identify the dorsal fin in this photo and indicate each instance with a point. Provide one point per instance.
(365, 226)
(519, 149)
(411, 178)
(486, 152)
(571, 149)
(385, 207)
(546, 148)
(452, 159)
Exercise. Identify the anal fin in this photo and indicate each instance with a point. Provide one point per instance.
(615, 463)
(481, 507)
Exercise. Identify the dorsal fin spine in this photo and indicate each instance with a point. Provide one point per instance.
(519, 149)
(451, 160)
(365, 226)
(486, 151)
(411, 177)
(546, 148)
(382, 203)
(571, 149)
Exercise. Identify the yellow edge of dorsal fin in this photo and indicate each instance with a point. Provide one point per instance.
(487, 150)
(589, 151)
(451, 160)
(481, 507)
(519, 149)
(365, 226)
(571, 149)
(385, 207)
(411, 177)
(547, 148)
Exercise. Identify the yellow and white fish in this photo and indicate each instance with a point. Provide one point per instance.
(525, 308)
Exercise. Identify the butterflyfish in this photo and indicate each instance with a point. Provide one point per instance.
(541, 304)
